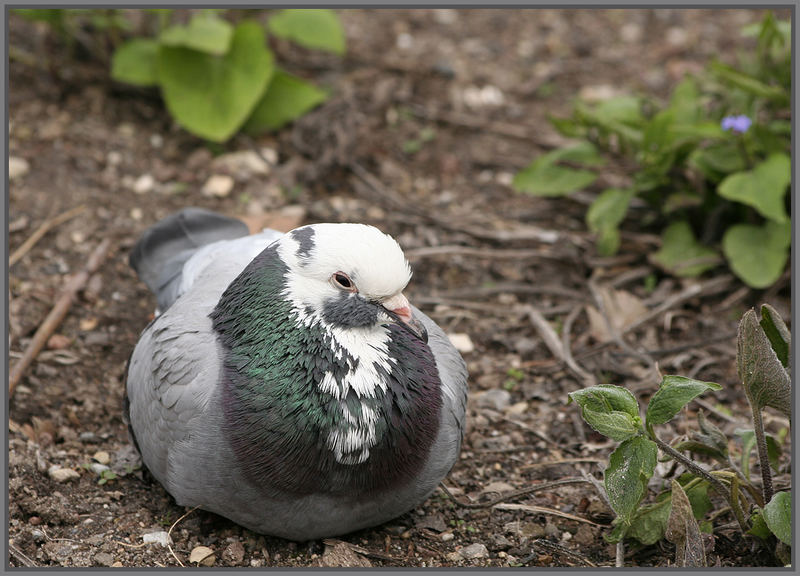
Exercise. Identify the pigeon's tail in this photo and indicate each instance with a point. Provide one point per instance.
(159, 255)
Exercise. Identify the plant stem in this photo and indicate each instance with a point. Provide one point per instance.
(698, 471)
(763, 456)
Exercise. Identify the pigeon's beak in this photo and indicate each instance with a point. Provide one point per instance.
(399, 308)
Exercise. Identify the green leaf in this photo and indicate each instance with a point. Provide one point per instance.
(778, 334)
(757, 254)
(759, 526)
(763, 188)
(212, 96)
(683, 531)
(778, 516)
(711, 435)
(766, 382)
(605, 215)
(649, 523)
(135, 62)
(674, 393)
(681, 254)
(315, 29)
(717, 161)
(630, 466)
(544, 178)
(749, 84)
(611, 410)
(748, 443)
(286, 99)
(685, 103)
(204, 33)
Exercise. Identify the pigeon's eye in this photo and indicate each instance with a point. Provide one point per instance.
(342, 280)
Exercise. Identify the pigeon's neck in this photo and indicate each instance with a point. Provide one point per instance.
(313, 408)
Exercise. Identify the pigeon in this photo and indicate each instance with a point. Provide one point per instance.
(286, 382)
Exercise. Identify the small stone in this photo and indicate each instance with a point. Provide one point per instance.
(156, 140)
(62, 474)
(117, 564)
(342, 555)
(102, 457)
(500, 542)
(219, 185)
(137, 214)
(234, 553)
(34, 520)
(246, 162)
(433, 522)
(103, 559)
(518, 408)
(98, 468)
(17, 167)
(144, 184)
(58, 342)
(202, 555)
(462, 342)
(161, 537)
(88, 324)
(497, 487)
(495, 399)
(454, 557)
(114, 158)
(474, 551)
(447, 536)
(38, 535)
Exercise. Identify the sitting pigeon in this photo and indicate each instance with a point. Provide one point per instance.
(286, 382)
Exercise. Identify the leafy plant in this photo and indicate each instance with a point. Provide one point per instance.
(712, 164)
(217, 77)
(763, 359)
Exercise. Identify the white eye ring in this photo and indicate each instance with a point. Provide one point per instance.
(343, 281)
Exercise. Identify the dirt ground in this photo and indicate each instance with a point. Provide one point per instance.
(434, 111)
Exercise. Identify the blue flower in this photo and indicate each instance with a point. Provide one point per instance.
(740, 124)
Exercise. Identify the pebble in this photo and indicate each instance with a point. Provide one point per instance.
(104, 559)
(161, 537)
(474, 551)
(102, 457)
(219, 185)
(17, 167)
(114, 158)
(58, 342)
(38, 535)
(98, 468)
(462, 342)
(234, 553)
(447, 536)
(202, 555)
(62, 474)
(144, 184)
(246, 162)
(137, 214)
(496, 399)
(518, 408)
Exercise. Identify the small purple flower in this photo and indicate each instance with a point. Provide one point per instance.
(740, 124)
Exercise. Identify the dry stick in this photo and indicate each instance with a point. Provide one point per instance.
(41, 231)
(564, 461)
(510, 495)
(558, 549)
(543, 510)
(57, 314)
(17, 553)
(553, 343)
(169, 534)
(590, 379)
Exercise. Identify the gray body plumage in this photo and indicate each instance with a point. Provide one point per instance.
(176, 405)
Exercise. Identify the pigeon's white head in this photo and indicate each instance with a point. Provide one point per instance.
(346, 276)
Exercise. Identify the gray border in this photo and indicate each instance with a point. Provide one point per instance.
(791, 4)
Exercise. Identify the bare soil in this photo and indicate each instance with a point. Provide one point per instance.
(433, 113)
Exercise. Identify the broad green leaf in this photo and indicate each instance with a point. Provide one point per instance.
(778, 334)
(757, 254)
(204, 32)
(749, 84)
(759, 526)
(674, 393)
(764, 188)
(621, 115)
(778, 516)
(611, 410)
(286, 99)
(683, 531)
(685, 103)
(135, 62)
(681, 254)
(605, 215)
(212, 96)
(584, 153)
(711, 435)
(630, 466)
(649, 523)
(694, 132)
(545, 179)
(317, 29)
(718, 160)
(766, 382)
(657, 133)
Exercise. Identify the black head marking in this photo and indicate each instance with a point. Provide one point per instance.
(349, 310)
(305, 238)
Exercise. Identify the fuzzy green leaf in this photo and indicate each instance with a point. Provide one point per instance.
(543, 177)
(681, 254)
(674, 393)
(286, 99)
(778, 516)
(749, 84)
(318, 29)
(717, 160)
(757, 254)
(212, 96)
(649, 523)
(605, 215)
(630, 467)
(778, 334)
(711, 435)
(759, 526)
(205, 33)
(766, 381)
(764, 187)
(135, 62)
(611, 410)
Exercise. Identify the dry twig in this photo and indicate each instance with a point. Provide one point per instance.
(57, 314)
(169, 534)
(511, 495)
(46, 226)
